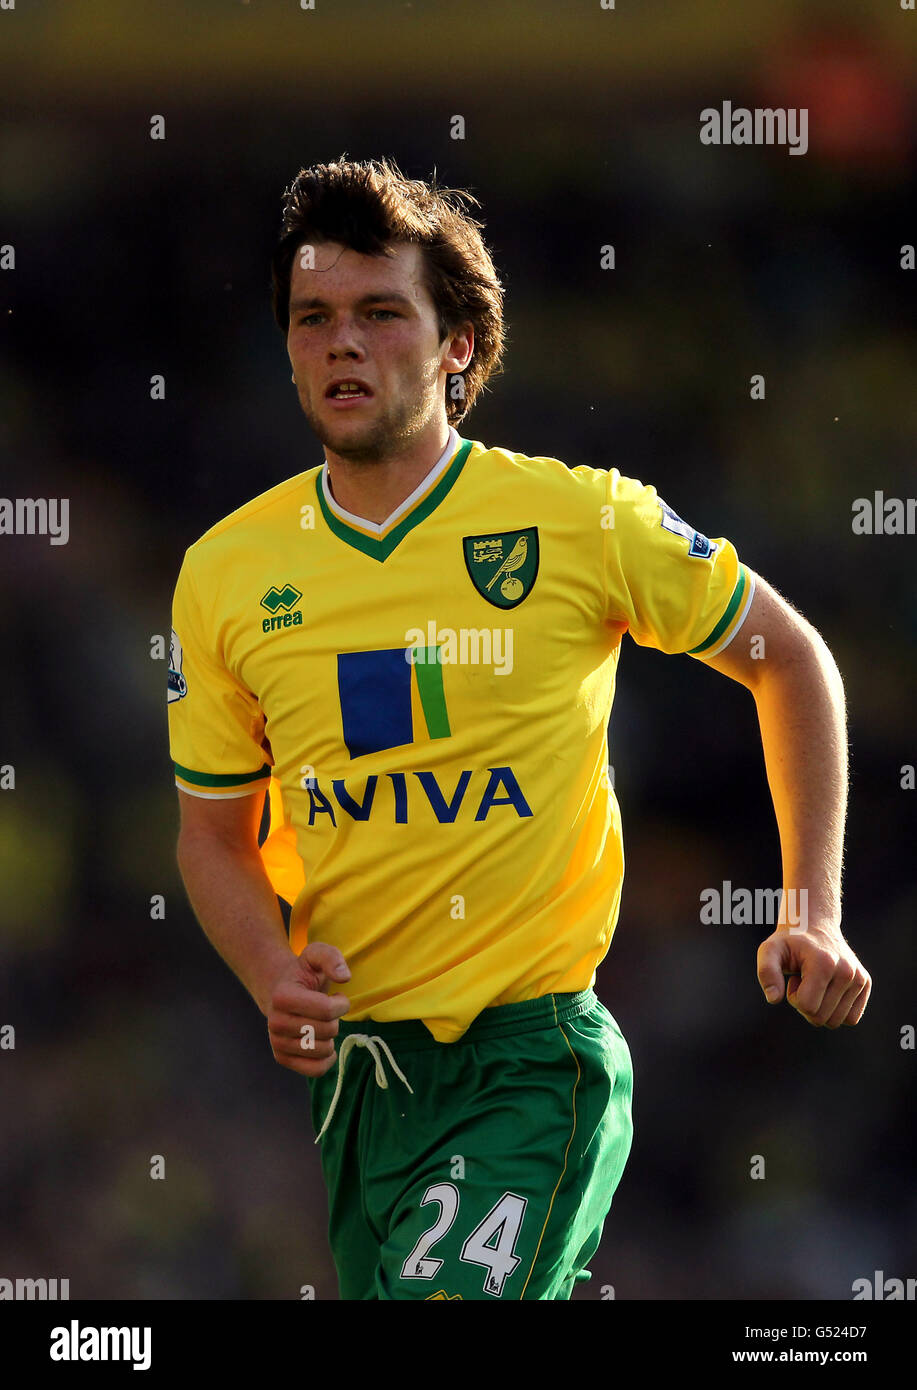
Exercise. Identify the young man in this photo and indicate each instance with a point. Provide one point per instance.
(414, 647)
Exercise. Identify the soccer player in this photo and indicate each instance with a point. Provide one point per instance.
(413, 648)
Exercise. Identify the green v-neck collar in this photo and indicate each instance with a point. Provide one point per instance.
(381, 547)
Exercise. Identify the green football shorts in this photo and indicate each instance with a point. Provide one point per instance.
(479, 1169)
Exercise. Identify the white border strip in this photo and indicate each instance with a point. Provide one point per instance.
(724, 644)
(220, 796)
(426, 484)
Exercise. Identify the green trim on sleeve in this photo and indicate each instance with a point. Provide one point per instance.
(221, 779)
(732, 609)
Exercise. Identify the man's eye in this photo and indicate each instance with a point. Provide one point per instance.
(309, 318)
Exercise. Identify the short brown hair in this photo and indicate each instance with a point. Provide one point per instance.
(370, 204)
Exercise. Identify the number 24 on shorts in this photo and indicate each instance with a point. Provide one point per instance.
(501, 1224)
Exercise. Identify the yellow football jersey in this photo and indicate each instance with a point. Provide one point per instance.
(427, 701)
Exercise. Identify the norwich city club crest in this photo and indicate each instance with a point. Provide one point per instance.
(503, 565)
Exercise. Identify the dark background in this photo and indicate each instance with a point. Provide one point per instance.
(135, 257)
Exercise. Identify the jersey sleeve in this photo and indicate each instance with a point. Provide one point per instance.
(216, 727)
(669, 585)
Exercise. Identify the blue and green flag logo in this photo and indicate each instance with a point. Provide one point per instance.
(376, 705)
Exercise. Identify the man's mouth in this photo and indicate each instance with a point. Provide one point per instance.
(348, 390)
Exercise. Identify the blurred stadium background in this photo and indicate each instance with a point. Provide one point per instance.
(135, 257)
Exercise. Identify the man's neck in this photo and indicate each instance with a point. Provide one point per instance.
(373, 491)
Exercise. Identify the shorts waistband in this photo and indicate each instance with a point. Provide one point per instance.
(413, 1035)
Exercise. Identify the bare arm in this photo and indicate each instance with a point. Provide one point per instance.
(235, 904)
(229, 890)
(801, 713)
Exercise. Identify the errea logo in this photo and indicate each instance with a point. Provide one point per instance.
(275, 599)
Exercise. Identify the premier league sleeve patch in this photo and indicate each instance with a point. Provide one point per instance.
(698, 544)
(178, 686)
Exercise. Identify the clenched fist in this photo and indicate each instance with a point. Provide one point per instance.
(302, 1019)
(827, 984)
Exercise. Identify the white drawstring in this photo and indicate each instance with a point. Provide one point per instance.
(368, 1041)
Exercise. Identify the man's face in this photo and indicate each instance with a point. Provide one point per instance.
(370, 319)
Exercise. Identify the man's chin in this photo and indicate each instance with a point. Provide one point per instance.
(354, 443)
(357, 441)
(342, 435)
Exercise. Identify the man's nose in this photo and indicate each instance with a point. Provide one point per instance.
(345, 339)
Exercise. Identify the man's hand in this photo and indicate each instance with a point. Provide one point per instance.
(827, 983)
(302, 1018)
